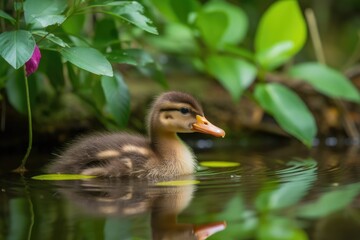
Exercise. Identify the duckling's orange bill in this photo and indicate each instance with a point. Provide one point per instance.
(204, 126)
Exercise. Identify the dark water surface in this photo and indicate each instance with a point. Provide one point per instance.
(283, 193)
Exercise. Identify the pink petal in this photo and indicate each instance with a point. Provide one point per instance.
(33, 63)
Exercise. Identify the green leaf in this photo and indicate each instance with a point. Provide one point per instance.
(53, 67)
(212, 26)
(117, 99)
(106, 34)
(281, 33)
(237, 22)
(132, 12)
(16, 47)
(43, 13)
(74, 24)
(330, 202)
(288, 109)
(234, 74)
(7, 16)
(177, 183)
(88, 59)
(61, 177)
(219, 164)
(326, 80)
(51, 37)
(131, 56)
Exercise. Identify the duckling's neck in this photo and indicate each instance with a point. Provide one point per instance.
(173, 154)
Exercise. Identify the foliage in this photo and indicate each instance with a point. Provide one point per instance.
(212, 37)
(74, 58)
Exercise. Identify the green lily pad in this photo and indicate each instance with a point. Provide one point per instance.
(61, 177)
(219, 164)
(177, 183)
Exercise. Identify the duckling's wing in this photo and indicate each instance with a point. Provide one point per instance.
(111, 154)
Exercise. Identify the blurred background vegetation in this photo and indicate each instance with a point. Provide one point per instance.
(239, 57)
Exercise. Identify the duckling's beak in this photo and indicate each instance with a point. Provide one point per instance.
(204, 126)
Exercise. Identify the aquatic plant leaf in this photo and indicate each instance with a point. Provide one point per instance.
(326, 80)
(235, 74)
(177, 183)
(288, 109)
(219, 164)
(43, 13)
(117, 99)
(330, 202)
(280, 34)
(88, 59)
(60, 177)
(16, 47)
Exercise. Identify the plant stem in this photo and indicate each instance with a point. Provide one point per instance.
(315, 36)
(21, 168)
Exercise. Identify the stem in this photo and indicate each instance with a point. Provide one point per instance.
(315, 36)
(21, 168)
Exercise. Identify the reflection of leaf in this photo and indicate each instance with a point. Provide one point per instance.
(60, 177)
(20, 222)
(219, 164)
(330, 202)
(297, 180)
(277, 228)
(177, 183)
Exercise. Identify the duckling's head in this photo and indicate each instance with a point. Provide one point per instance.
(177, 112)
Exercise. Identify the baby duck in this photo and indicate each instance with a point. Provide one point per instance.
(161, 155)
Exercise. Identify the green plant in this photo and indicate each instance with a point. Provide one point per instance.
(211, 36)
(76, 58)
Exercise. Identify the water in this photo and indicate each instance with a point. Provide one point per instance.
(280, 193)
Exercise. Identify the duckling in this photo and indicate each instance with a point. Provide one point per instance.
(160, 155)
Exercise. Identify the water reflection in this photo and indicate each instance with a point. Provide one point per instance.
(272, 195)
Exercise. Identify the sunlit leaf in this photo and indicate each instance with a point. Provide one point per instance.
(280, 34)
(235, 74)
(288, 109)
(219, 164)
(117, 99)
(43, 13)
(60, 177)
(326, 80)
(88, 59)
(16, 47)
(132, 12)
(330, 202)
(7, 16)
(177, 183)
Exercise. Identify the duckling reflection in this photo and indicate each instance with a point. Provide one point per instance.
(129, 197)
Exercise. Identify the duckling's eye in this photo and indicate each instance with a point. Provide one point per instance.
(184, 110)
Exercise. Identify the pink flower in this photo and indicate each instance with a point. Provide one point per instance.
(33, 63)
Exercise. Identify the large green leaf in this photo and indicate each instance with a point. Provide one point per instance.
(88, 59)
(117, 99)
(175, 10)
(288, 109)
(235, 74)
(326, 80)
(43, 13)
(281, 33)
(16, 47)
(212, 26)
(237, 22)
(132, 12)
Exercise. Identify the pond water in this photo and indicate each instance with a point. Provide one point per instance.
(279, 193)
